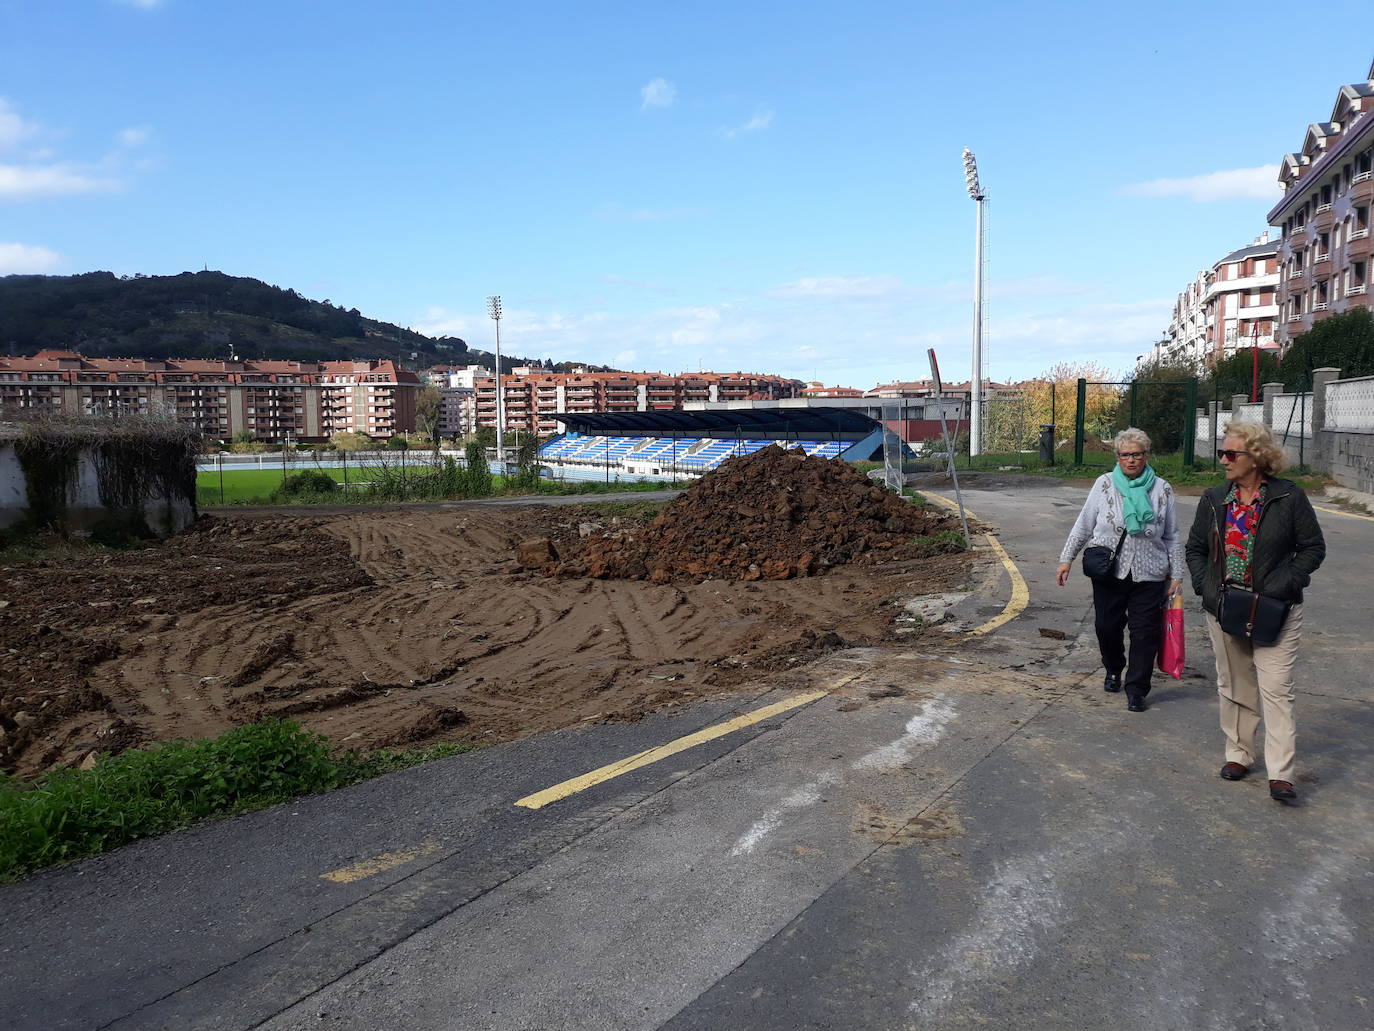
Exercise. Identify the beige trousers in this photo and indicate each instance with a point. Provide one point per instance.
(1255, 682)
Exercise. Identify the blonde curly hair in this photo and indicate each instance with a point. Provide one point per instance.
(1259, 444)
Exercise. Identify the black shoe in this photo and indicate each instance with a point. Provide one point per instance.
(1234, 771)
(1112, 683)
(1281, 791)
(1135, 704)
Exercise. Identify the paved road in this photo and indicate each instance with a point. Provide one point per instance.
(971, 838)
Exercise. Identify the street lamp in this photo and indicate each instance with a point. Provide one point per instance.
(975, 421)
(494, 310)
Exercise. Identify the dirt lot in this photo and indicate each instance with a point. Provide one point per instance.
(387, 629)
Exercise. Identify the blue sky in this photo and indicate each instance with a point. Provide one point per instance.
(770, 187)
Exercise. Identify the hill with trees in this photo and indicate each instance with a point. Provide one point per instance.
(211, 315)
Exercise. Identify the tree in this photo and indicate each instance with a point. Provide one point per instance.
(477, 481)
(1157, 402)
(429, 402)
(349, 440)
(1235, 374)
(1344, 342)
(485, 436)
(1052, 397)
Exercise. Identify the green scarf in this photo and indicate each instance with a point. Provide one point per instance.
(1135, 498)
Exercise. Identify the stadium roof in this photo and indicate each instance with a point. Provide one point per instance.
(792, 422)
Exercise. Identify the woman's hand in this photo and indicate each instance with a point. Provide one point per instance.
(1062, 573)
(1175, 588)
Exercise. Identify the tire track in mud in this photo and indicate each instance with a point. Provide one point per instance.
(453, 640)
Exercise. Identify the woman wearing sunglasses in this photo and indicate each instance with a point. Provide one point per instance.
(1258, 533)
(1130, 513)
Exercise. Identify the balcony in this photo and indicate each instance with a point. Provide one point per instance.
(1297, 273)
(1321, 306)
(1323, 207)
(1359, 234)
(1356, 291)
(1361, 188)
(1294, 318)
(1363, 177)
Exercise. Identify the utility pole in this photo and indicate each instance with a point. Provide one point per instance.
(975, 421)
(494, 310)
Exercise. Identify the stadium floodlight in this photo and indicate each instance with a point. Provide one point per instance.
(494, 310)
(975, 416)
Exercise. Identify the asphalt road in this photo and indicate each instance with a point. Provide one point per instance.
(949, 838)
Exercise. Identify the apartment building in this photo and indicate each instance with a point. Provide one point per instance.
(1325, 253)
(1231, 305)
(532, 397)
(273, 400)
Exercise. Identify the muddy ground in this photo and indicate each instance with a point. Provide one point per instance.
(397, 629)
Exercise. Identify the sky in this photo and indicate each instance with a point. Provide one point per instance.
(732, 186)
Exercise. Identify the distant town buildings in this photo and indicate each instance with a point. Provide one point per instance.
(1230, 305)
(532, 397)
(1325, 252)
(272, 400)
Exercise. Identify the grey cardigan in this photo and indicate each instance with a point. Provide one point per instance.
(1156, 553)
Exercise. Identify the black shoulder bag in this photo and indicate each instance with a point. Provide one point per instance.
(1099, 562)
(1251, 616)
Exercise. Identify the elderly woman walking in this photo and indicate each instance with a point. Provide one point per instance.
(1129, 515)
(1255, 534)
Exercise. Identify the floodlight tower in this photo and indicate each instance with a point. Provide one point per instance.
(975, 420)
(494, 310)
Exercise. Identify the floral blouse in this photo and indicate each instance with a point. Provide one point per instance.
(1241, 520)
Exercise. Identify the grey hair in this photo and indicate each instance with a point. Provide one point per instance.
(1131, 435)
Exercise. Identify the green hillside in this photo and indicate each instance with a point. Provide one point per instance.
(209, 315)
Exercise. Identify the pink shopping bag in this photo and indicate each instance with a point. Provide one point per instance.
(1171, 643)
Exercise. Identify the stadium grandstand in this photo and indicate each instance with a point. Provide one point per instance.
(668, 445)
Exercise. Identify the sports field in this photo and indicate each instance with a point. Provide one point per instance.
(243, 485)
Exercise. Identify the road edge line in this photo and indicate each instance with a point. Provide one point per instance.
(1020, 593)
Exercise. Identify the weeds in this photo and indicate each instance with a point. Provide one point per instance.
(944, 542)
(71, 813)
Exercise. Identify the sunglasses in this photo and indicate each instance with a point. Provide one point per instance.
(1130, 454)
(1230, 455)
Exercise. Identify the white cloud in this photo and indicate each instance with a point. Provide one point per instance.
(1234, 184)
(135, 136)
(30, 182)
(21, 259)
(625, 359)
(762, 119)
(839, 287)
(13, 129)
(657, 93)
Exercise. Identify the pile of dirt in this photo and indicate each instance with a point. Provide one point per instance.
(771, 515)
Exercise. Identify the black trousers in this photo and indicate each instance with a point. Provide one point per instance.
(1120, 604)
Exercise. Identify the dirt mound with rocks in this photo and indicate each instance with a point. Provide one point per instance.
(771, 515)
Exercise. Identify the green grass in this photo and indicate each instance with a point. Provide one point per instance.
(71, 813)
(245, 486)
(255, 487)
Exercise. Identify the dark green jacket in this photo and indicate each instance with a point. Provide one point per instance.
(1287, 550)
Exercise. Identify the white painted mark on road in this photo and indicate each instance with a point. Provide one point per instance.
(806, 795)
(925, 728)
(1022, 904)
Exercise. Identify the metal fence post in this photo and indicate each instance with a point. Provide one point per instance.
(1080, 421)
(1190, 412)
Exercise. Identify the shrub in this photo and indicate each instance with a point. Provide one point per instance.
(944, 542)
(310, 481)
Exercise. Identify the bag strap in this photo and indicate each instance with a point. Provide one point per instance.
(1254, 608)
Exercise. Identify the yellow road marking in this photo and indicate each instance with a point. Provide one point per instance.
(570, 787)
(1020, 593)
(1337, 511)
(379, 864)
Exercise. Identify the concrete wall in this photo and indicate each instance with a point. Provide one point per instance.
(162, 516)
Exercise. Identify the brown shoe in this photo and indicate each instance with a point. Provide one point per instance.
(1281, 791)
(1234, 771)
